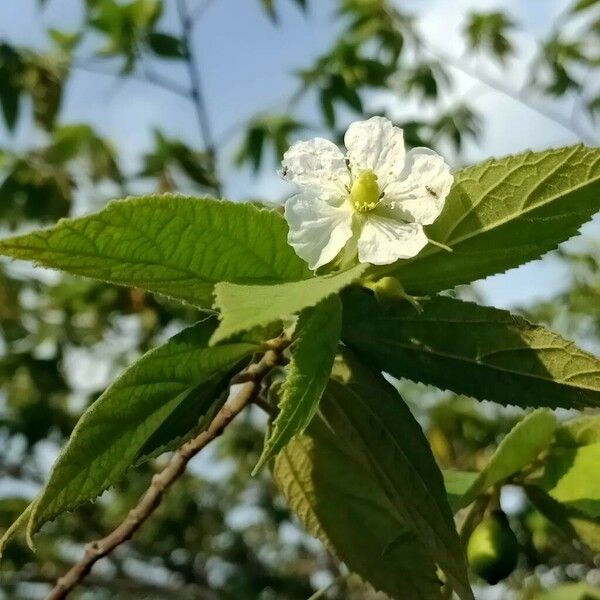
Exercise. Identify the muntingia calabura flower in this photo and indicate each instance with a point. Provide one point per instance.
(371, 203)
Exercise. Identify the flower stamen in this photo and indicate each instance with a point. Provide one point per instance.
(365, 193)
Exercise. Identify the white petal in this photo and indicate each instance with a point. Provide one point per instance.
(376, 145)
(317, 165)
(383, 241)
(318, 231)
(419, 194)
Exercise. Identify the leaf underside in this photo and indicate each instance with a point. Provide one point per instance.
(369, 415)
(480, 351)
(313, 351)
(156, 401)
(338, 501)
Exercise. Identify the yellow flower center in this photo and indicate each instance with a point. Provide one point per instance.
(365, 192)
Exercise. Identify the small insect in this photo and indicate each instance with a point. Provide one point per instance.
(434, 194)
(284, 171)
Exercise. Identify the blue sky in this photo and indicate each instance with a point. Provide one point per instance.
(247, 65)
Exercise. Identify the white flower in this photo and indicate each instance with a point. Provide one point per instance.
(372, 202)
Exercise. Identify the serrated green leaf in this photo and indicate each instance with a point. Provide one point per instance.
(571, 477)
(313, 351)
(171, 245)
(476, 350)
(338, 500)
(124, 424)
(503, 213)
(519, 448)
(246, 306)
(369, 415)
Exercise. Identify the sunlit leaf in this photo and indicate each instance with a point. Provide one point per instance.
(171, 245)
(246, 306)
(502, 213)
(521, 446)
(571, 477)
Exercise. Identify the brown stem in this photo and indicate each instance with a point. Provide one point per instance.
(162, 481)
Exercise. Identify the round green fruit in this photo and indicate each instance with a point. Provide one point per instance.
(493, 548)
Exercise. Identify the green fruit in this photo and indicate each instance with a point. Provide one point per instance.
(493, 548)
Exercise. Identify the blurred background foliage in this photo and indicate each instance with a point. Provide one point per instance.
(220, 533)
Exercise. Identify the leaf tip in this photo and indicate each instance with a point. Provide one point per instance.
(31, 530)
(15, 527)
(259, 465)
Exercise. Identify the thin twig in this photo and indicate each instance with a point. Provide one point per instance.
(162, 481)
(197, 94)
(152, 78)
(507, 90)
(499, 86)
(265, 406)
(580, 98)
(187, 25)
